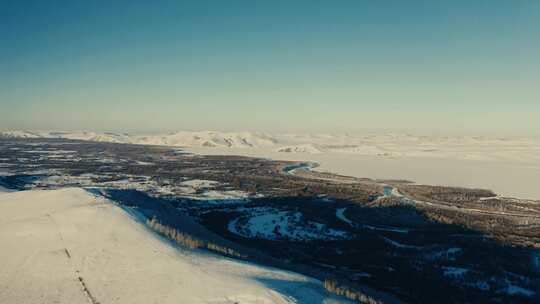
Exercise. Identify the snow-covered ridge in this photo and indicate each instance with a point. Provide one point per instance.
(68, 246)
(183, 138)
(211, 139)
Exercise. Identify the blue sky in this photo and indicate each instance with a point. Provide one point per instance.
(280, 66)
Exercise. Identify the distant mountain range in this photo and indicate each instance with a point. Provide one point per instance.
(180, 139)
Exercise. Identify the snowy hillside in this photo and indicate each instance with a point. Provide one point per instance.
(93, 136)
(73, 247)
(21, 134)
(180, 139)
(210, 139)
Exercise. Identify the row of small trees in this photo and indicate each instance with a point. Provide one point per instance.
(188, 240)
(447, 194)
(350, 293)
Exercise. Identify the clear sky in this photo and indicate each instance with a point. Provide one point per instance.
(279, 66)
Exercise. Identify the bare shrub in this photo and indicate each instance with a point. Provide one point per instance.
(350, 293)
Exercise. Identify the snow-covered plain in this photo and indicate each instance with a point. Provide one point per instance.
(68, 246)
(273, 224)
(512, 177)
(510, 166)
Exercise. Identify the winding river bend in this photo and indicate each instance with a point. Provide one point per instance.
(389, 190)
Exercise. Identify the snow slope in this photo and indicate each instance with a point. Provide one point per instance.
(82, 135)
(67, 246)
(216, 139)
(182, 139)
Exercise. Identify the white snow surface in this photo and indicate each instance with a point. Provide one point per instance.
(54, 241)
(273, 224)
(212, 139)
(183, 138)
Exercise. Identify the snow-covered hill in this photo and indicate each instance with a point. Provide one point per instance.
(93, 136)
(20, 134)
(211, 139)
(180, 139)
(68, 246)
